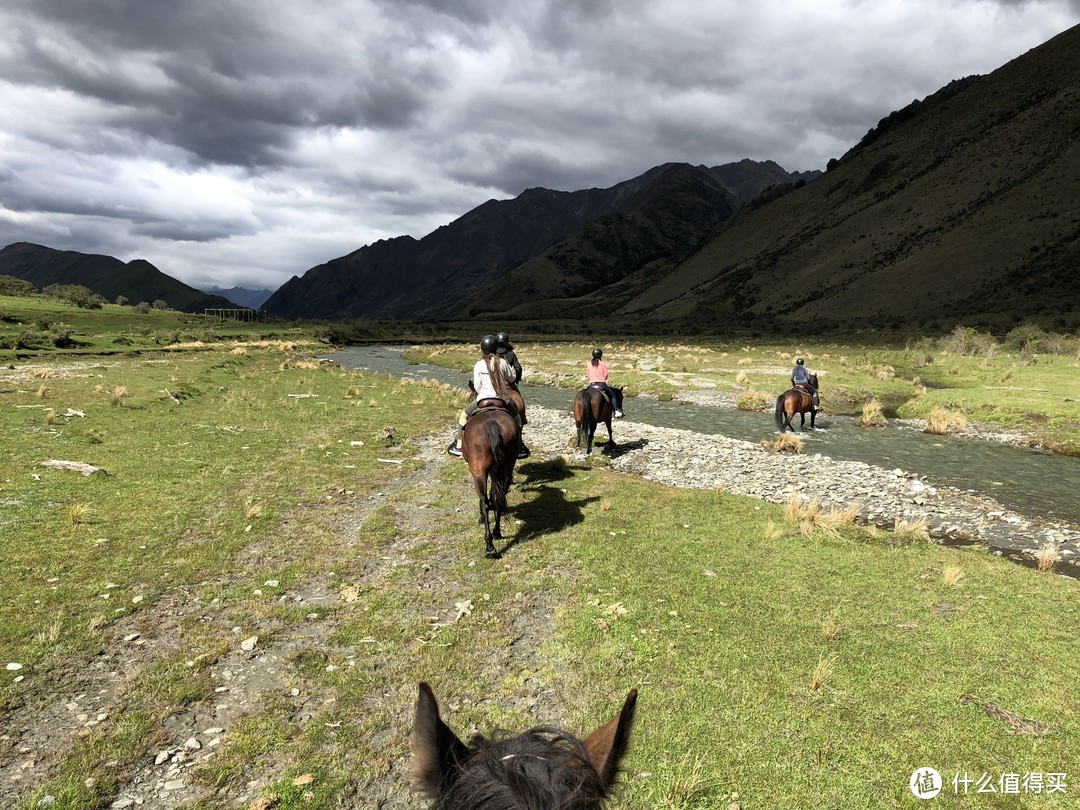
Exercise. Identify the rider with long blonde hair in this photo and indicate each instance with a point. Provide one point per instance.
(491, 378)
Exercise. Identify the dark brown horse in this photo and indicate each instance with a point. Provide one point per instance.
(592, 408)
(490, 442)
(542, 768)
(796, 401)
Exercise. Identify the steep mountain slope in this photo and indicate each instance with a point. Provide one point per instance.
(450, 271)
(962, 207)
(137, 280)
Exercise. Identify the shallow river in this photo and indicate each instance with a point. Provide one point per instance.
(1030, 482)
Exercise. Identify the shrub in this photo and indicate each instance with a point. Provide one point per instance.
(9, 285)
(963, 340)
(143, 308)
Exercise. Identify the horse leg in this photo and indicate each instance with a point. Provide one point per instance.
(592, 435)
(610, 438)
(802, 421)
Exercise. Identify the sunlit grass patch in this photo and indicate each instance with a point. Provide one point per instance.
(951, 576)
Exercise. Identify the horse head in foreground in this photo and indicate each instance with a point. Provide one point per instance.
(591, 409)
(542, 769)
(796, 401)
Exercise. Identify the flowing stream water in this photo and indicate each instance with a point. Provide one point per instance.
(1030, 482)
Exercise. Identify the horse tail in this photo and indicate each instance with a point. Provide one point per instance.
(780, 413)
(499, 485)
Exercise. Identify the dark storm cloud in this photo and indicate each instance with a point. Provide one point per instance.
(255, 140)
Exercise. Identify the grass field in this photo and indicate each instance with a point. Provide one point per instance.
(779, 664)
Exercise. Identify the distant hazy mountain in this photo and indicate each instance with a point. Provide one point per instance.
(241, 296)
(467, 265)
(137, 280)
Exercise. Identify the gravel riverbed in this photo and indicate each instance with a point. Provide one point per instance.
(683, 458)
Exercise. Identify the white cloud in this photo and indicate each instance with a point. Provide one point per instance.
(231, 143)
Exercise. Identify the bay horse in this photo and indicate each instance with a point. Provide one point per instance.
(542, 768)
(795, 401)
(591, 408)
(490, 442)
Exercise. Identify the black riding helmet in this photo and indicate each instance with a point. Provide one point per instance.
(502, 340)
(799, 362)
(487, 344)
(597, 354)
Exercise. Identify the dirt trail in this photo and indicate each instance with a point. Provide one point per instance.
(252, 674)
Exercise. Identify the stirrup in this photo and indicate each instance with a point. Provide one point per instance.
(453, 449)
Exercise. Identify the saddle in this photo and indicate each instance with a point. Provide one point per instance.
(491, 402)
(602, 388)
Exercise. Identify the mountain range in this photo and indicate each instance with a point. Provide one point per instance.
(137, 280)
(963, 207)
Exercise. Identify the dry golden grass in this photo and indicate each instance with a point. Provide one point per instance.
(751, 400)
(239, 350)
(951, 576)
(1047, 557)
(784, 443)
(823, 672)
(871, 415)
(941, 421)
(885, 373)
(253, 512)
(41, 391)
(746, 361)
(915, 528)
(830, 629)
(742, 379)
(50, 416)
(41, 374)
(50, 634)
(76, 514)
(118, 395)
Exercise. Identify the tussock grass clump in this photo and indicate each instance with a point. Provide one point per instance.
(42, 390)
(823, 672)
(784, 443)
(751, 400)
(746, 361)
(239, 351)
(871, 415)
(885, 373)
(911, 529)
(742, 379)
(41, 374)
(942, 421)
(76, 514)
(118, 395)
(50, 416)
(830, 629)
(951, 576)
(1047, 557)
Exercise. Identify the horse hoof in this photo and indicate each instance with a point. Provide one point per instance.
(493, 555)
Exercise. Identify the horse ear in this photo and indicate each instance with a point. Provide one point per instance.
(608, 743)
(437, 752)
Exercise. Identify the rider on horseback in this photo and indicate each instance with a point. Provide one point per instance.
(506, 352)
(491, 375)
(800, 378)
(596, 372)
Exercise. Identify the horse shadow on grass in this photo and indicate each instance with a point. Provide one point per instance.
(547, 510)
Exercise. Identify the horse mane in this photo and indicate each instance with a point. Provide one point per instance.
(543, 769)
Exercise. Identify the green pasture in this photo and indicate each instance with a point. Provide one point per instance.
(1028, 385)
(780, 663)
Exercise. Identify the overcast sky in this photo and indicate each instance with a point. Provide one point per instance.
(241, 142)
